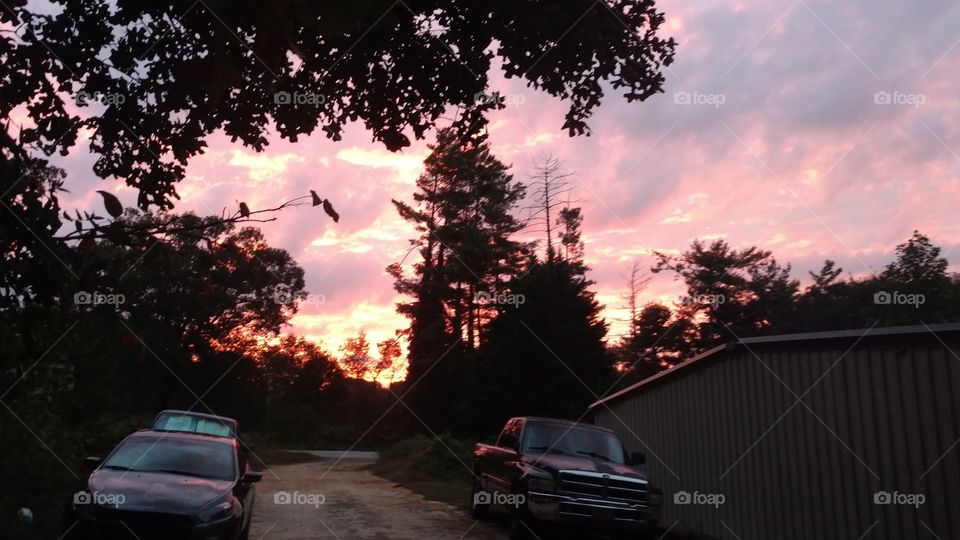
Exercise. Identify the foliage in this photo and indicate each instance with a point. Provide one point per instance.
(730, 292)
(659, 339)
(436, 467)
(544, 357)
(165, 76)
(914, 288)
(463, 215)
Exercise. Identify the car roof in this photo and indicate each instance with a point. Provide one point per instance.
(559, 422)
(181, 436)
(229, 423)
(224, 419)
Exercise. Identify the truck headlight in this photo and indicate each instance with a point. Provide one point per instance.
(542, 485)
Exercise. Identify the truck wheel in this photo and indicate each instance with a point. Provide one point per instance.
(478, 508)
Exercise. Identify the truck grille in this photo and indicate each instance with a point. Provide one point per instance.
(603, 486)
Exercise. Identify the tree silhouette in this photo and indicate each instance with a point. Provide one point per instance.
(157, 79)
(463, 213)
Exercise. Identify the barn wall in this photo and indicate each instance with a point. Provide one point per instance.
(880, 417)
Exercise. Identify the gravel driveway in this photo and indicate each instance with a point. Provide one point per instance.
(330, 500)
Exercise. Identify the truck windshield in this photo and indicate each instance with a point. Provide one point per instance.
(560, 439)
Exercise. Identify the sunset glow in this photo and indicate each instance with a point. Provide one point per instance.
(792, 153)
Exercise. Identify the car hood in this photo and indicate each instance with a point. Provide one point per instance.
(156, 492)
(554, 463)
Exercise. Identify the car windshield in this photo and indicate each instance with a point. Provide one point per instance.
(203, 459)
(560, 439)
(192, 424)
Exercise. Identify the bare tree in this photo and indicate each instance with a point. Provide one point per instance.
(552, 191)
(636, 282)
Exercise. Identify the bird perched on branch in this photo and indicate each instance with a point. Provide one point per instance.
(328, 208)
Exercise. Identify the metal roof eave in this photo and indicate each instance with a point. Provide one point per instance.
(911, 330)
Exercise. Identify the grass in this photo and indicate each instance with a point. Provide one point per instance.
(436, 468)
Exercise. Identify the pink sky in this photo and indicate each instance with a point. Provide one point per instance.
(783, 145)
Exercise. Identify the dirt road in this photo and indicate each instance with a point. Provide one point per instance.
(316, 500)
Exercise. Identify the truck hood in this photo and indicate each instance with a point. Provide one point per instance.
(554, 463)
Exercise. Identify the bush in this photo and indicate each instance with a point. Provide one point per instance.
(420, 458)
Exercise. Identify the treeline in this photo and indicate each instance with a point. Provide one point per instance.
(501, 327)
(143, 312)
(733, 293)
(498, 326)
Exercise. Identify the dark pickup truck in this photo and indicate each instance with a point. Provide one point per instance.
(543, 470)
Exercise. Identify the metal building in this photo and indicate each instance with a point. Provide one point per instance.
(832, 435)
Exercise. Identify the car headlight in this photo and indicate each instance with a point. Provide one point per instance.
(217, 512)
(542, 485)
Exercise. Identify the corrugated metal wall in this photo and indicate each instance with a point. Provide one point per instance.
(884, 417)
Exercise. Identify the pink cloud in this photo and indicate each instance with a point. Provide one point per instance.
(798, 158)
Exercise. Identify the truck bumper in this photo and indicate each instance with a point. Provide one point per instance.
(599, 513)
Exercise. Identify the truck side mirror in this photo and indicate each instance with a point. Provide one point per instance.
(638, 458)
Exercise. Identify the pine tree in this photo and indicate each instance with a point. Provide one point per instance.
(463, 210)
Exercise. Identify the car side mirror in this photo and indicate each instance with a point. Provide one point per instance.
(638, 458)
(251, 477)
